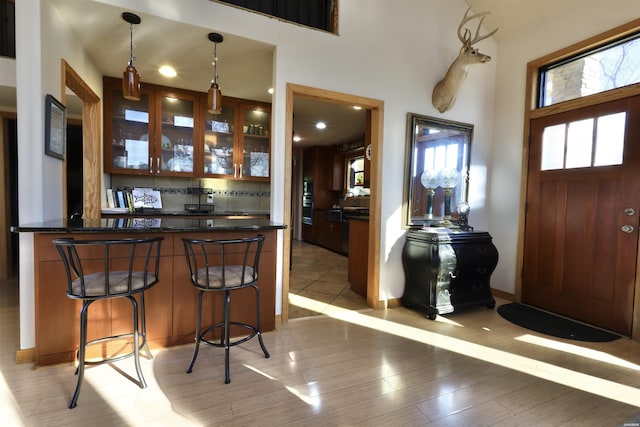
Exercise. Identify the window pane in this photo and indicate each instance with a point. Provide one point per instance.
(610, 139)
(579, 144)
(611, 67)
(553, 147)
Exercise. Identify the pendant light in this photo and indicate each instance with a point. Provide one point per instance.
(130, 77)
(214, 97)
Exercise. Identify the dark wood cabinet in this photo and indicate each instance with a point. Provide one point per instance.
(447, 270)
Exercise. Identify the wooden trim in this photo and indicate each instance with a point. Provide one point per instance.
(25, 355)
(502, 294)
(376, 108)
(91, 141)
(531, 113)
(6, 265)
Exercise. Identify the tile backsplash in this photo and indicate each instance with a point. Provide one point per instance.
(228, 195)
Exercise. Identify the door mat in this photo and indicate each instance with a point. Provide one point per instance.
(551, 324)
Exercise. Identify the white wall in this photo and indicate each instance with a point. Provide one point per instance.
(395, 57)
(555, 33)
(42, 39)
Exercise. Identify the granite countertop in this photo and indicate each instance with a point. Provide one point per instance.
(131, 223)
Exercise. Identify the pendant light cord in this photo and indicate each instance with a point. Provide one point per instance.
(131, 44)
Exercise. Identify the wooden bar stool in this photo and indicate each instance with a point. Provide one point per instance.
(104, 269)
(224, 266)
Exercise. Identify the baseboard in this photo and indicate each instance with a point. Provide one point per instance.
(26, 355)
(503, 294)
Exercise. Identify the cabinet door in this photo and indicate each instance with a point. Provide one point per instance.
(127, 131)
(176, 131)
(219, 141)
(253, 157)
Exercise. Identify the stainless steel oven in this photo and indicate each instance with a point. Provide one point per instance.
(307, 210)
(307, 202)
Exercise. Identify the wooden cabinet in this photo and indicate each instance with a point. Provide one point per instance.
(327, 233)
(358, 256)
(237, 142)
(169, 132)
(447, 270)
(152, 136)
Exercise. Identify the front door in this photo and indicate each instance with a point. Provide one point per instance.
(581, 227)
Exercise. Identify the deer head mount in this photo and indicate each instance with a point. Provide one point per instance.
(445, 92)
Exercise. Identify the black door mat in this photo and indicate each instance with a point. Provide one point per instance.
(550, 324)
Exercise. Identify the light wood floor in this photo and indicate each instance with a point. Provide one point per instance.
(343, 368)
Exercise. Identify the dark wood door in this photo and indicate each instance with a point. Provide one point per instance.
(583, 198)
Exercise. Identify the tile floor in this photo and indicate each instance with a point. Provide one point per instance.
(320, 275)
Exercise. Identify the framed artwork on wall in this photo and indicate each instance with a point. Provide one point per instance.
(55, 132)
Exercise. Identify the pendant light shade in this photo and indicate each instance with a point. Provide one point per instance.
(214, 97)
(130, 77)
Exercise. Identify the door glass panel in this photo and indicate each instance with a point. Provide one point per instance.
(130, 143)
(177, 135)
(255, 156)
(579, 144)
(553, 147)
(218, 142)
(610, 139)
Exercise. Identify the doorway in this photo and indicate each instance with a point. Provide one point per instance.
(375, 129)
(581, 227)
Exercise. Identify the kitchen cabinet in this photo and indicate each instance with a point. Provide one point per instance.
(170, 133)
(237, 142)
(327, 232)
(152, 136)
(447, 270)
(358, 255)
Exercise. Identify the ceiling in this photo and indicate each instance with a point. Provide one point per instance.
(244, 66)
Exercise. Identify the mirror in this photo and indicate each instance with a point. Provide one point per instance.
(436, 172)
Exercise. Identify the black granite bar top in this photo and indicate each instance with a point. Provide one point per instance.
(131, 224)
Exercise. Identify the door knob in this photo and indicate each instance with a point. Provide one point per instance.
(627, 228)
(629, 211)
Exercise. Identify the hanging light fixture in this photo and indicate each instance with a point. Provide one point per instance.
(214, 97)
(130, 77)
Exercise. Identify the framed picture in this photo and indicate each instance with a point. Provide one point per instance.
(55, 128)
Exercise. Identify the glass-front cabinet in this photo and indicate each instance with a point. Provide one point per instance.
(237, 141)
(169, 132)
(127, 130)
(177, 132)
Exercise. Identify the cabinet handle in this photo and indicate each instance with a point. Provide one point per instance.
(240, 170)
(157, 165)
(235, 170)
(150, 164)
(453, 276)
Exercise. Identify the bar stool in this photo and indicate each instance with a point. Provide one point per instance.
(105, 269)
(224, 266)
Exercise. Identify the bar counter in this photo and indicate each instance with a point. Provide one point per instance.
(171, 303)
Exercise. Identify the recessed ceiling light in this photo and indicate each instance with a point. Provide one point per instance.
(296, 138)
(168, 71)
(321, 125)
(357, 107)
(270, 90)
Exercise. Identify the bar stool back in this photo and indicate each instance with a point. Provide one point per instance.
(224, 266)
(126, 267)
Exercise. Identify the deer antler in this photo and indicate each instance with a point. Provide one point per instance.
(465, 37)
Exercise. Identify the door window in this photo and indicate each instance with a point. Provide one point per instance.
(591, 142)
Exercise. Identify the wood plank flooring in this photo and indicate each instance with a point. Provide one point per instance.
(342, 368)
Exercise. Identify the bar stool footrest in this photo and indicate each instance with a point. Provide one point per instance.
(252, 328)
